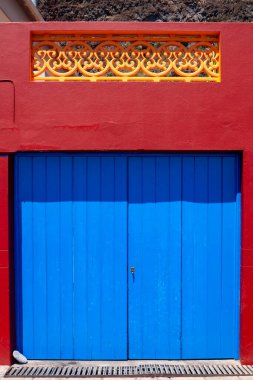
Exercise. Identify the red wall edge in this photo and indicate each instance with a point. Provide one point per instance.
(246, 330)
(5, 269)
(83, 116)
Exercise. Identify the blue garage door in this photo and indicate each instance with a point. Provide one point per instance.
(127, 256)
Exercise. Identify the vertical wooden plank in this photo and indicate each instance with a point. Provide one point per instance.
(93, 252)
(18, 259)
(168, 260)
(197, 343)
(135, 221)
(196, 271)
(188, 254)
(238, 254)
(147, 292)
(39, 258)
(119, 280)
(25, 285)
(53, 256)
(230, 262)
(66, 253)
(80, 231)
(214, 254)
(175, 255)
(110, 305)
(107, 240)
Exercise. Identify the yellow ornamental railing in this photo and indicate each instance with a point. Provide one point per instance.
(166, 57)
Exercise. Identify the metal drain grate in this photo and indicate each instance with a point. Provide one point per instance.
(128, 371)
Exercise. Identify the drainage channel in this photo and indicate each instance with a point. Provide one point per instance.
(146, 370)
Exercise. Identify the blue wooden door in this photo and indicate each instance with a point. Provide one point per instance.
(127, 256)
(183, 247)
(71, 285)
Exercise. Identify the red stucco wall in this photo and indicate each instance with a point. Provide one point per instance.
(137, 116)
(5, 270)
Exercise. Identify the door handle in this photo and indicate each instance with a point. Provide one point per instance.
(132, 270)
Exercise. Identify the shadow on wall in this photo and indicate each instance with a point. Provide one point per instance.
(131, 178)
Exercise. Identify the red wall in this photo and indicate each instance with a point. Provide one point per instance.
(5, 270)
(138, 116)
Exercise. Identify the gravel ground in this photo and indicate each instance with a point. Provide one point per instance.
(147, 10)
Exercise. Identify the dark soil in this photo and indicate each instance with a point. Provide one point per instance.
(146, 10)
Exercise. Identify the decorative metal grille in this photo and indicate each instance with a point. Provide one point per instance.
(142, 370)
(58, 57)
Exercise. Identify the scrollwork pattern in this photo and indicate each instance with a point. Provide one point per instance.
(135, 58)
